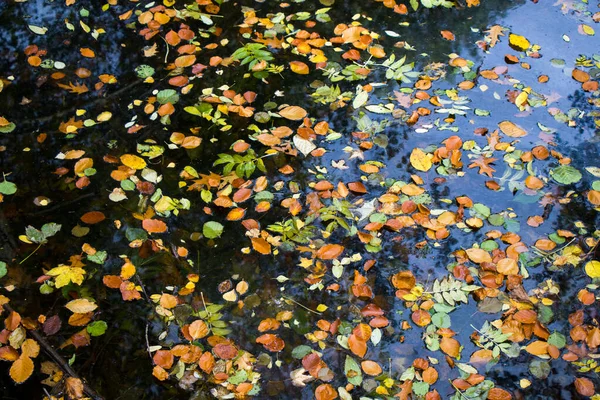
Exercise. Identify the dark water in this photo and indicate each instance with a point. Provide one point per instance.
(117, 364)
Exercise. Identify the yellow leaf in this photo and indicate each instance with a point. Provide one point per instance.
(105, 116)
(420, 160)
(321, 307)
(518, 42)
(592, 268)
(588, 30)
(65, 274)
(299, 67)
(21, 369)
(81, 306)
(132, 161)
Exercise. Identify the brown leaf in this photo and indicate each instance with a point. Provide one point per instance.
(225, 351)
(584, 387)
(93, 217)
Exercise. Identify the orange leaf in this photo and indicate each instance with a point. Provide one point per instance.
(498, 394)
(191, 142)
(404, 280)
(293, 113)
(198, 329)
(185, 61)
(261, 245)
(167, 300)
(511, 129)
(479, 256)
(163, 358)
(508, 266)
(421, 317)
(86, 52)
(430, 375)
(537, 348)
(448, 35)
(330, 251)
(450, 346)
(325, 392)
(21, 369)
(154, 226)
(357, 346)
(207, 362)
(236, 214)
(580, 76)
(371, 368)
(159, 373)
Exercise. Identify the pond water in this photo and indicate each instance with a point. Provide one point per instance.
(519, 108)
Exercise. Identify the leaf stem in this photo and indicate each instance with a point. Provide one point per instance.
(30, 254)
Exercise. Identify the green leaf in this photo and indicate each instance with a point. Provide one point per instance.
(3, 269)
(441, 320)
(144, 71)
(212, 229)
(8, 128)
(99, 257)
(7, 188)
(557, 339)
(566, 175)
(300, 351)
(352, 371)
(167, 96)
(50, 229)
(420, 388)
(239, 377)
(97, 328)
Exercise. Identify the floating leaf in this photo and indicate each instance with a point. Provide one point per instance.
(420, 160)
(21, 369)
(518, 42)
(566, 174)
(212, 229)
(592, 269)
(81, 306)
(293, 113)
(511, 129)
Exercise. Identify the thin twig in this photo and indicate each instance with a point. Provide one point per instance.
(302, 305)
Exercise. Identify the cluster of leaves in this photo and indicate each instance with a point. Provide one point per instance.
(334, 224)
